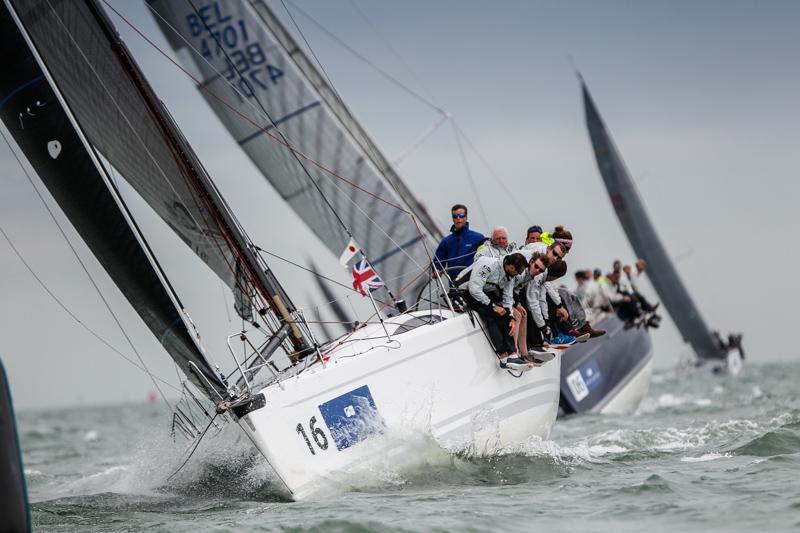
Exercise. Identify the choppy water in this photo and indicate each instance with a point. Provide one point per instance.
(702, 453)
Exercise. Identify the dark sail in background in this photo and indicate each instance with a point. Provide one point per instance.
(643, 238)
(41, 127)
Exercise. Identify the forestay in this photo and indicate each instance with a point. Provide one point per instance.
(643, 237)
(264, 90)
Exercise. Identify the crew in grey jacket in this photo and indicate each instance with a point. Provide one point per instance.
(489, 275)
(490, 293)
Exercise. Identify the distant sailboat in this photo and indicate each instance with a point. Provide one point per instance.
(720, 356)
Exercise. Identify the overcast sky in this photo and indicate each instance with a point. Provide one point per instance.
(701, 98)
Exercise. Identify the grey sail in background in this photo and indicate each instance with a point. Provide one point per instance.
(244, 37)
(44, 132)
(644, 239)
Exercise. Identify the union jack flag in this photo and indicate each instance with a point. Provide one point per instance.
(365, 278)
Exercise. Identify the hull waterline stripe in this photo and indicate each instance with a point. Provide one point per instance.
(507, 411)
(278, 122)
(535, 384)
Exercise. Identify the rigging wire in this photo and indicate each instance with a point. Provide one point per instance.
(325, 199)
(143, 366)
(426, 101)
(233, 109)
(365, 60)
(393, 51)
(281, 141)
(468, 170)
(370, 148)
(215, 37)
(493, 173)
(194, 448)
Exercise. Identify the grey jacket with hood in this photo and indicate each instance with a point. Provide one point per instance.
(488, 274)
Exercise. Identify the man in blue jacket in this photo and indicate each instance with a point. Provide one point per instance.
(457, 250)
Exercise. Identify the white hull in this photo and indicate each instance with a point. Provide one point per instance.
(631, 394)
(441, 380)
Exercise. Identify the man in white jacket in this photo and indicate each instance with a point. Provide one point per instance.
(490, 293)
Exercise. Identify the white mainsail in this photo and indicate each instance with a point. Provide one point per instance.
(265, 90)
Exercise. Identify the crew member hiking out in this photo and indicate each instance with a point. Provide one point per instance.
(456, 251)
(491, 295)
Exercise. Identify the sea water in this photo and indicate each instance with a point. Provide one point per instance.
(701, 454)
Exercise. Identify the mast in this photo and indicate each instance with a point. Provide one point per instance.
(642, 235)
(261, 85)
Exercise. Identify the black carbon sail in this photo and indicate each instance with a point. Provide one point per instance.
(245, 59)
(644, 239)
(41, 126)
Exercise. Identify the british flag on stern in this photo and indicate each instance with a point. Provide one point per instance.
(365, 278)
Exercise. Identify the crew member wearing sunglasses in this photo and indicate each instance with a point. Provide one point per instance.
(457, 250)
(537, 265)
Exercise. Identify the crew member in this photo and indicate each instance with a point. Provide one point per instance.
(498, 246)
(491, 295)
(456, 251)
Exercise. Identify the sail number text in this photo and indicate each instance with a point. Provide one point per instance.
(317, 434)
(223, 37)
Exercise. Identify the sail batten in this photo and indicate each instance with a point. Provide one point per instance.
(642, 235)
(281, 111)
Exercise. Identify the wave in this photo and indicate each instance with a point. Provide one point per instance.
(782, 441)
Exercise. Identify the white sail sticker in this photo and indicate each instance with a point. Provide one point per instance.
(54, 149)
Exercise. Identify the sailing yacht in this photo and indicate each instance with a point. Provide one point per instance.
(712, 353)
(80, 109)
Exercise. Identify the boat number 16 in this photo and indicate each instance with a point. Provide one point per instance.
(316, 433)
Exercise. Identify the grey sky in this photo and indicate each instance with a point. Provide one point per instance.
(701, 98)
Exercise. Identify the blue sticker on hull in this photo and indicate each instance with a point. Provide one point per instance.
(352, 417)
(591, 374)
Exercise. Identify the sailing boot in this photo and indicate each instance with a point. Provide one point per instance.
(587, 328)
(515, 363)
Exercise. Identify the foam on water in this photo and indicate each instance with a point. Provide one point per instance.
(705, 457)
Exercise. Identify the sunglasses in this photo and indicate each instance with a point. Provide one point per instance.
(538, 266)
(555, 253)
(459, 215)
